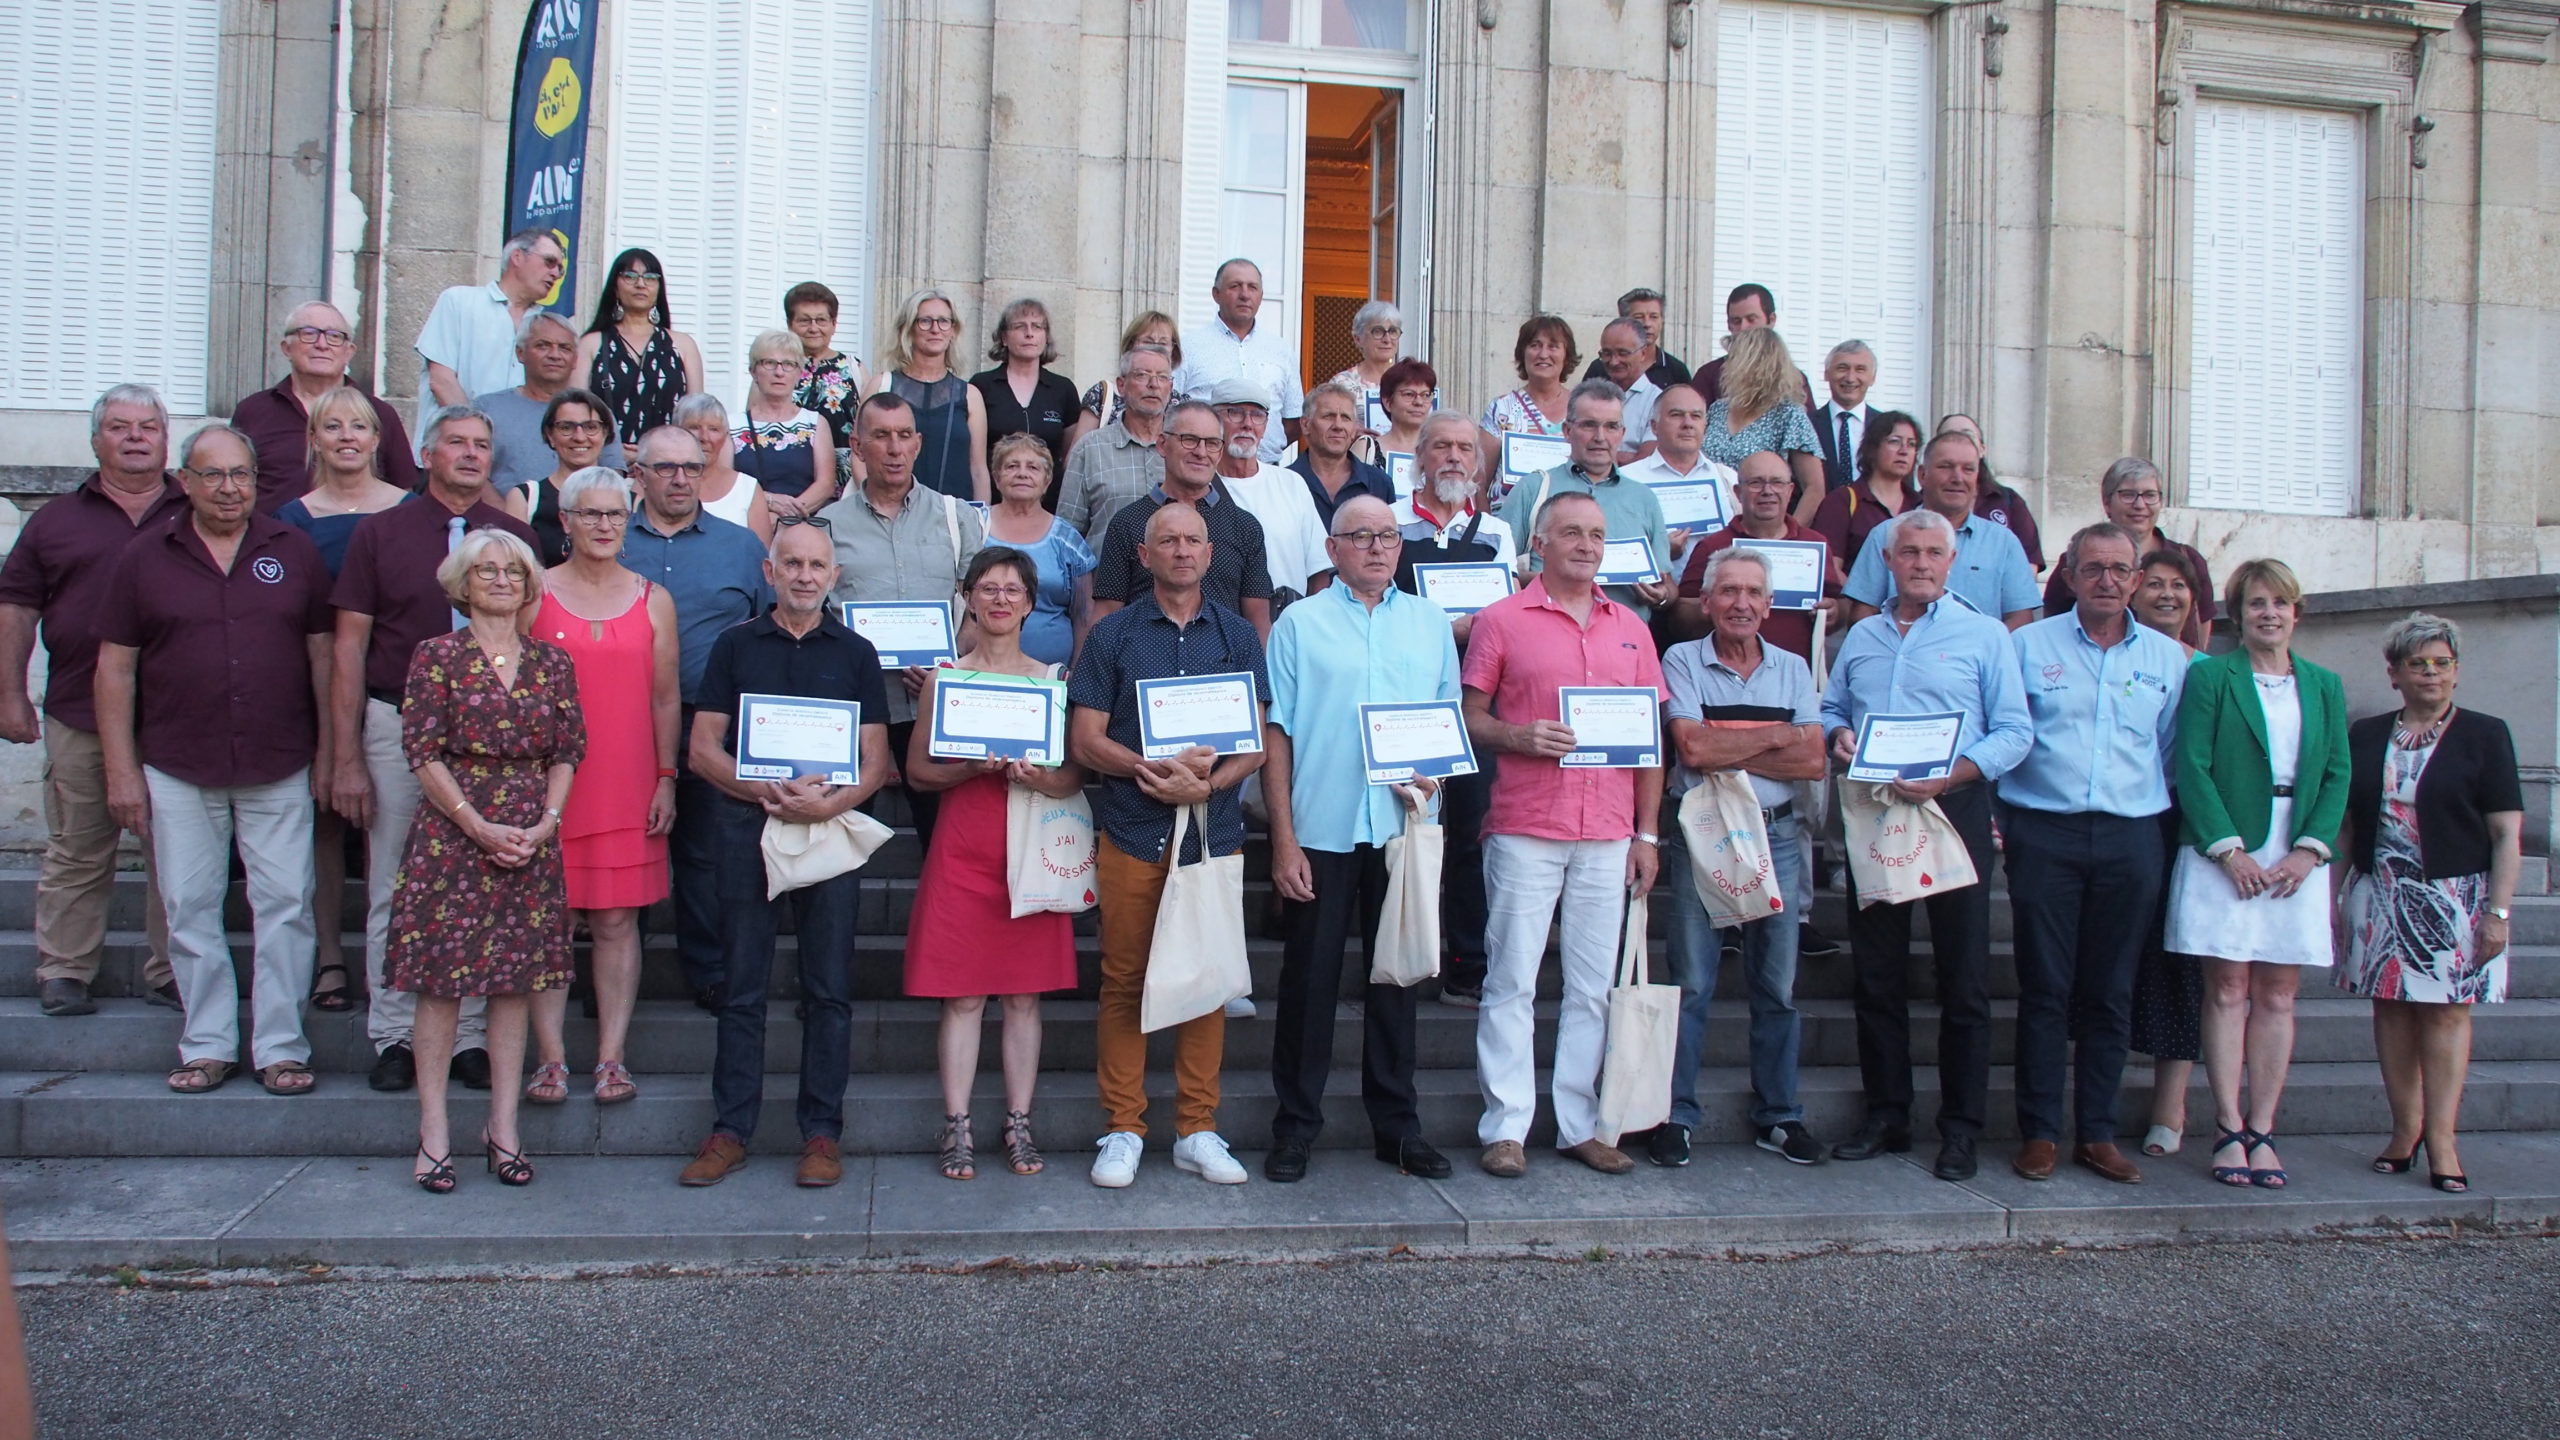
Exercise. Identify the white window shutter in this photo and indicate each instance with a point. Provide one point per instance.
(106, 202)
(2275, 399)
(1204, 119)
(1824, 191)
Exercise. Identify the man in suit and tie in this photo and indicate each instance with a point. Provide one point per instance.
(1841, 423)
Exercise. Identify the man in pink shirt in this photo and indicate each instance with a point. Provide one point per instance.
(1555, 832)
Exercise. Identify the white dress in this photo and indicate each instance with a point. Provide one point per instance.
(2207, 916)
(735, 506)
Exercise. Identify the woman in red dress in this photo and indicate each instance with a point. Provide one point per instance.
(621, 632)
(963, 942)
(490, 724)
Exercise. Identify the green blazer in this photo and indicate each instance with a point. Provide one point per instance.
(2225, 787)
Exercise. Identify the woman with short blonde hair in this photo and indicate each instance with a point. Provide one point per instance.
(786, 447)
(919, 368)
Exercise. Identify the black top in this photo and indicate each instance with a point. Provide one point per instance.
(641, 390)
(761, 658)
(1142, 643)
(1366, 479)
(1237, 569)
(2471, 776)
(550, 533)
(1051, 413)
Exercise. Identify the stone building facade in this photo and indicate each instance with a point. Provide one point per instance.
(2300, 251)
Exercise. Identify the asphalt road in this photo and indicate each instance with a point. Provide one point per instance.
(2325, 1339)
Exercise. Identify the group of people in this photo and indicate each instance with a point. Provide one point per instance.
(512, 662)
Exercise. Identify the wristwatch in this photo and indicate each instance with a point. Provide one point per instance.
(2498, 910)
(1649, 839)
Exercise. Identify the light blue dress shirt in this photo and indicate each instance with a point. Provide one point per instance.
(1954, 658)
(1990, 570)
(1330, 655)
(2105, 719)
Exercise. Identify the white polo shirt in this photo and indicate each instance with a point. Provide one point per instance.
(1212, 352)
(470, 333)
(1292, 534)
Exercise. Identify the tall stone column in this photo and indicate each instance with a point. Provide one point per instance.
(2515, 417)
(271, 184)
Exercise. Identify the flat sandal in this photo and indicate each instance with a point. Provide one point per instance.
(959, 1158)
(1020, 1154)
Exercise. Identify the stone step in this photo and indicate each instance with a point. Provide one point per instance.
(68, 1114)
(674, 1038)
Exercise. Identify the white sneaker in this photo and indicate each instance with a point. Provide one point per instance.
(1241, 1008)
(1117, 1165)
(1206, 1156)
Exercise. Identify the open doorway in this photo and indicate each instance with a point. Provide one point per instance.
(1352, 216)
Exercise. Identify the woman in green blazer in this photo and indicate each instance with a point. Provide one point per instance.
(2262, 786)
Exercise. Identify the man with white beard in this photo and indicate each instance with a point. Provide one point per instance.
(1293, 537)
(1442, 523)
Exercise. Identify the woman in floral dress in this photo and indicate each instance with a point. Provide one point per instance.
(491, 726)
(2435, 828)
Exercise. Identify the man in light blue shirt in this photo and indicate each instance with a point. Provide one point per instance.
(1929, 652)
(1595, 421)
(2087, 856)
(1358, 641)
(1990, 571)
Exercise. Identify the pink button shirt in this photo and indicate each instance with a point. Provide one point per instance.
(1521, 651)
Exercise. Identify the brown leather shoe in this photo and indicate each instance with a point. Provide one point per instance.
(2107, 1160)
(712, 1163)
(1607, 1159)
(2035, 1160)
(821, 1163)
(1504, 1160)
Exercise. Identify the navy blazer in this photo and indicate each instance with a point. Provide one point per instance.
(1837, 468)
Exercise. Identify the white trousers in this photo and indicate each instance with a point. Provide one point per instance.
(1524, 879)
(395, 804)
(192, 830)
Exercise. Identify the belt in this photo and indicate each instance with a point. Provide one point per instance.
(1784, 810)
(391, 698)
(2283, 792)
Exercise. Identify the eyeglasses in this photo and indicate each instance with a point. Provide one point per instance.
(1193, 442)
(491, 574)
(1767, 482)
(1386, 330)
(314, 335)
(650, 277)
(2430, 665)
(610, 519)
(935, 322)
(579, 427)
(1603, 427)
(2139, 497)
(1000, 592)
(236, 479)
(780, 521)
(2106, 572)
(1368, 539)
(776, 365)
(668, 470)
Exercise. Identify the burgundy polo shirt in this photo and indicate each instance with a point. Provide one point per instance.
(390, 574)
(1790, 630)
(60, 568)
(279, 427)
(222, 680)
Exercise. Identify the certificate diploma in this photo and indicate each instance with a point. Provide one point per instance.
(1628, 562)
(1179, 712)
(1614, 726)
(1400, 472)
(1796, 570)
(905, 632)
(1399, 741)
(1463, 587)
(978, 716)
(1689, 504)
(1906, 747)
(783, 738)
(1527, 454)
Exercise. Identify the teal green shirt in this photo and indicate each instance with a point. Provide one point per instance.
(1628, 504)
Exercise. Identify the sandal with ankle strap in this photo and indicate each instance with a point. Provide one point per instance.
(200, 1077)
(437, 1178)
(2234, 1174)
(613, 1083)
(1019, 1153)
(509, 1166)
(336, 1001)
(2270, 1178)
(959, 1157)
(548, 1085)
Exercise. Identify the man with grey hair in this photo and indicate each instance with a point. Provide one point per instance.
(1118, 462)
(1595, 424)
(57, 577)
(389, 601)
(1643, 305)
(469, 341)
(1292, 534)
(1236, 345)
(1622, 350)
(1334, 476)
(318, 346)
(1841, 422)
(548, 350)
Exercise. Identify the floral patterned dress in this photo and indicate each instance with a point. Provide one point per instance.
(833, 387)
(2409, 937)
(461, 924)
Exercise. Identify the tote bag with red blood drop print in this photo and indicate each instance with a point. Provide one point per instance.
(1898, 851)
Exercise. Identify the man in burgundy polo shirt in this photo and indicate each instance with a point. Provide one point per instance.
(388, 601)
(56, 577)
(1761, 485)
(1575, 834)
(318, 344)
(213, 661)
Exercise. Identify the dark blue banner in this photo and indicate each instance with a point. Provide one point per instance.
(547, 132)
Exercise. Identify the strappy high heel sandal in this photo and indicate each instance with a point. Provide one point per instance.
(959, 1157)
(1019, 1153)
(2270, 1177)
(437, 1178)
(2399, 1165)
(509, 1166)
(2244, 1137)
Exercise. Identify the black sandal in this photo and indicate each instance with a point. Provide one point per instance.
(2238, 1175)
(2450, 1184)
(959, 1157)
(2399, 1165)
(338, 1001)
(508, 1165)
(437, 1178)
(2272, 1177)
(1019, 1153)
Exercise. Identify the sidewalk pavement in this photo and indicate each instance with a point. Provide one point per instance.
(614, 1211)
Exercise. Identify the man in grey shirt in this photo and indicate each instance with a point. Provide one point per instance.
(548, 350)
(1118, 462)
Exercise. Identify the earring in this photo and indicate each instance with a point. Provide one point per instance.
(617, 312)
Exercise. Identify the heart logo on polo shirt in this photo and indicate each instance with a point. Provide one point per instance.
(268, 568)
(2053, 674)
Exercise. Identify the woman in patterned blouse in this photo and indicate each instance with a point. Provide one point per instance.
(632, 355)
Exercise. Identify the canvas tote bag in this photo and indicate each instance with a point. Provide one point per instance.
(798, 855)
(1406, 949)
(1728, 844)
(1048, 849)
(1643, 1036)
(1899, 851)
(1196, 963)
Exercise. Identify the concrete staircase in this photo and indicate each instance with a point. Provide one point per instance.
(92, 1087)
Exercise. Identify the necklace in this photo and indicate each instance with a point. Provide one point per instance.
(2408, 739)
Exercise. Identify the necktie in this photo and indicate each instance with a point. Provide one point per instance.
(453, 542)
(1848, 457)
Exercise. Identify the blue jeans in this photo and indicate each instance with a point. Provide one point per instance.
(824, 916)
(1769, 958)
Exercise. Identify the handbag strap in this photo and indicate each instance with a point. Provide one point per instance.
(1632, 945)
(1181, 822)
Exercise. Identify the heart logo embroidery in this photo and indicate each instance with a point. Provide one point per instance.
(1775, 903)
(2052, 674)
(1926, 880)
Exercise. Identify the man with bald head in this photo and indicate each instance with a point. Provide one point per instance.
(1168, 628)
(318, 346)
(1359, 641)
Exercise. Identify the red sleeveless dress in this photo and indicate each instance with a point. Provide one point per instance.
(613, 861)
